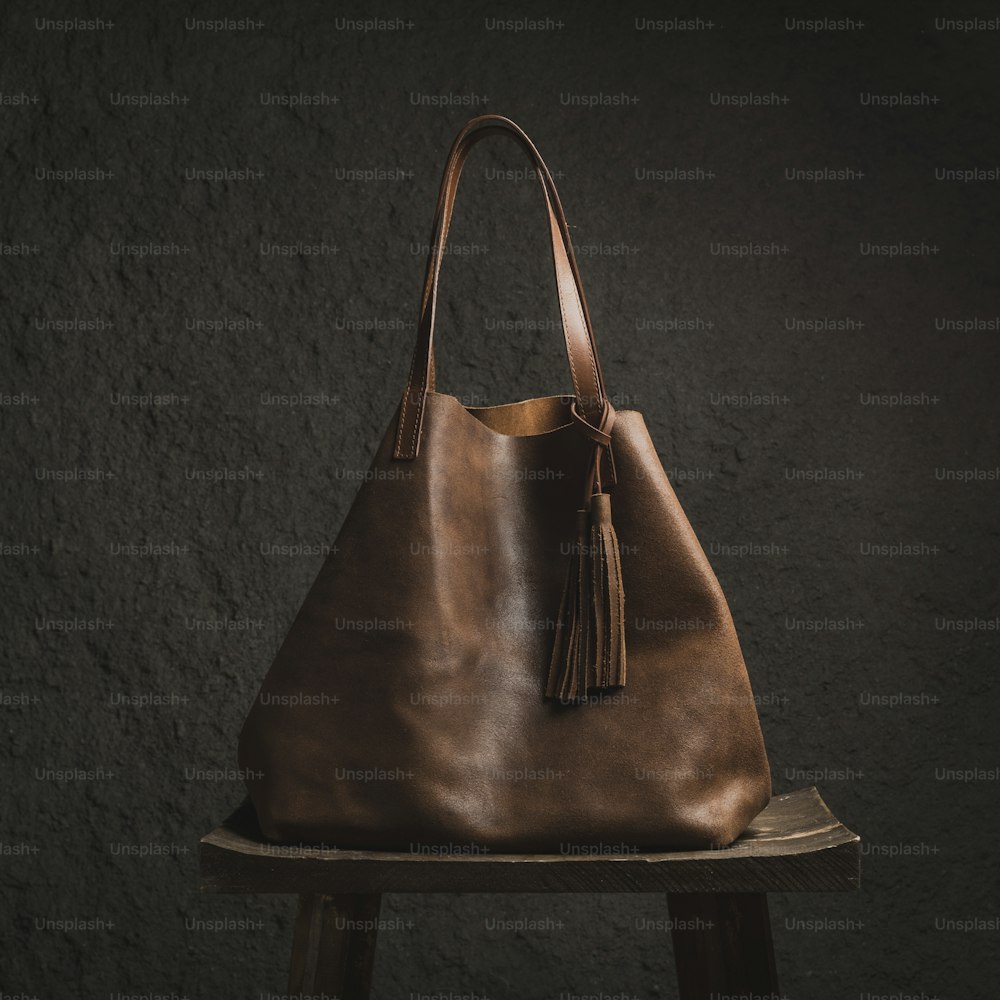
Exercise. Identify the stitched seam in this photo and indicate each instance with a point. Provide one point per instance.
(574, 270)
(593, 348)
(583, 322)
(406, 401)
(566, 337)
(576, 298)
(416, 422)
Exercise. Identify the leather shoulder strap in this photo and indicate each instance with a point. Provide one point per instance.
(581, 351)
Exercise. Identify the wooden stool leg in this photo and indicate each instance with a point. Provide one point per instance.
(333, 950)
(722, 945)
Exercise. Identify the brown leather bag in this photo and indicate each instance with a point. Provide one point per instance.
(488, 659)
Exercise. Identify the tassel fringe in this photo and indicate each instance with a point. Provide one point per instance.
(589, 651)
(608, 596)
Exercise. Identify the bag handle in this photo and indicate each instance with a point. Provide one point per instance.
(585, 371)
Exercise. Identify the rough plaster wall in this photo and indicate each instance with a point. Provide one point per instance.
(876, 765)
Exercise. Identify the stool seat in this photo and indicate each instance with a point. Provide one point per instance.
(794, 845)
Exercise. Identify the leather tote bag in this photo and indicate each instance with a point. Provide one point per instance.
(490, 657)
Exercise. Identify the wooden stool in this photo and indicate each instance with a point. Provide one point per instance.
(717, 899)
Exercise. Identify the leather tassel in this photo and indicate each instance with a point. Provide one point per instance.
(589, 651)
(567, 668)
(608, 599)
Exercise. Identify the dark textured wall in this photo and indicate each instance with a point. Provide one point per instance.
(841, 474)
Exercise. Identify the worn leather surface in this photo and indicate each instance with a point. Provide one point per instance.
(463, 558)
(406, 707)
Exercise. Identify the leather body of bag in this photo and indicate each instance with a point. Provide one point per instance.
(490, 657)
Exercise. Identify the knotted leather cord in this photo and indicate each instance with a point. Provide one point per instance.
(601, 436)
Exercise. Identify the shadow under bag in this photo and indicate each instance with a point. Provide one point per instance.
(492, 657)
